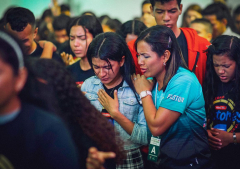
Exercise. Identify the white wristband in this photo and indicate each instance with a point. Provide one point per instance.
(145, 93)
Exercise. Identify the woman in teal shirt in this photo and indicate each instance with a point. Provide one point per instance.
(175, 111)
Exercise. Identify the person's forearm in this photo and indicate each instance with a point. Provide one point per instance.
(155, 123)
(158, 120)
(124, 122)
(47, 51)
(149, 110)
(230, 139)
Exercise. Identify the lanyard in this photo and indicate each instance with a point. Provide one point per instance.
(156, 94)
(153, 151)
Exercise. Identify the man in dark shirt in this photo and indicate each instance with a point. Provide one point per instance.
(166, 12)
(21, 22)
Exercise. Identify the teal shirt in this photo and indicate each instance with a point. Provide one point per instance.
(186, 140)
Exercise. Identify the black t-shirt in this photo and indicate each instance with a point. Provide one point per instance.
(37, 53)
(226, 116)
(182, 41)
(36, 139)
(78, 74)
(110, 92)
(226, 111)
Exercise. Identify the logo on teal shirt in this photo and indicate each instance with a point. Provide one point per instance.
(175, 98)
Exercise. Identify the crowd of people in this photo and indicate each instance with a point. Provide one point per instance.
(92, 92)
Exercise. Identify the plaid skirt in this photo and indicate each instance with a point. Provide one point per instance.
(133, 161)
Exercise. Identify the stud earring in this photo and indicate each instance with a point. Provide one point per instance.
(164, 63)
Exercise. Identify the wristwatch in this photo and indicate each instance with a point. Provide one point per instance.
(145, 93)
(234, 138)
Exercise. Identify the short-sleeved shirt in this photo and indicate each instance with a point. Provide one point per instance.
(185, 142)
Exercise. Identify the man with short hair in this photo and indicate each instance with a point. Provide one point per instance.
(21, 22)
(203, 28)
(219, 16)
(166, 12)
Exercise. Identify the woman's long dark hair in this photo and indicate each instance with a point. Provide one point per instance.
(110, 46)
(162, 38)
(222, 45)
(65, 99)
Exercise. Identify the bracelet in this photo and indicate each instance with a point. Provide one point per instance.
(234, 138)
(145, 93)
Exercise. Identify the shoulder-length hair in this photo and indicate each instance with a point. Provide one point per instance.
(222, 45)
(162, 38)
(110, 46)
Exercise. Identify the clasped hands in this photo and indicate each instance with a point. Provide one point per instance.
(218, 138)
(67, 58)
